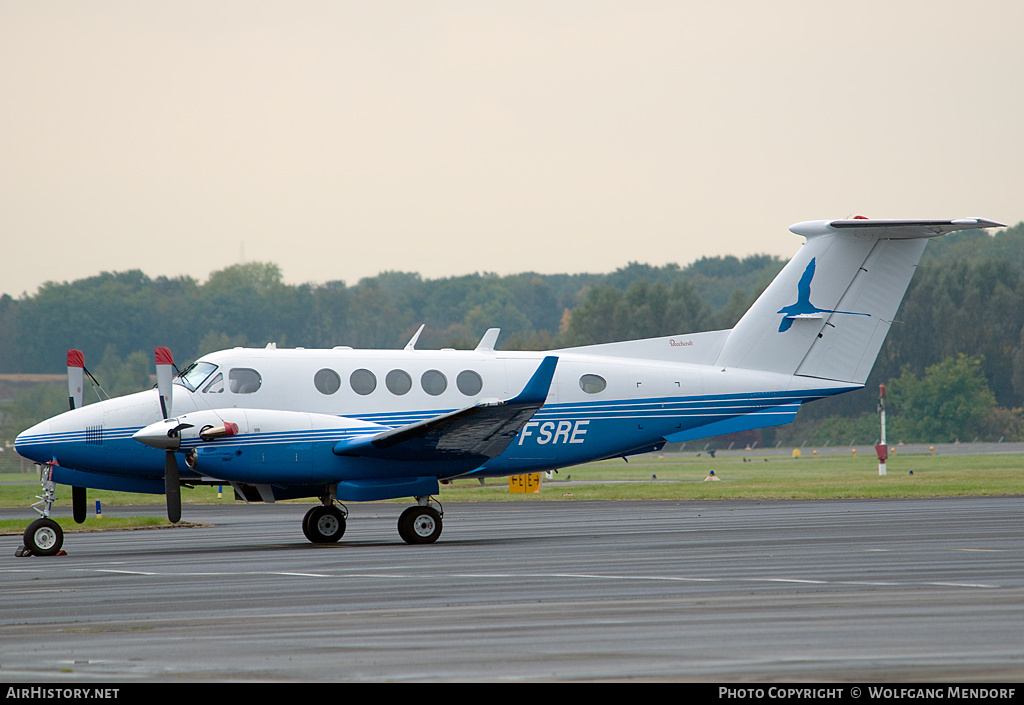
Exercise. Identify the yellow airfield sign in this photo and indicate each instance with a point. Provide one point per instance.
(525, 483)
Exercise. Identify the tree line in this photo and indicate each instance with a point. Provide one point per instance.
(959, 333)
(117, 314)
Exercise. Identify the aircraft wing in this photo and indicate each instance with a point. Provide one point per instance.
(482, 431)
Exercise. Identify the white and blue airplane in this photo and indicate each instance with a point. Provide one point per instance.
(345, 425)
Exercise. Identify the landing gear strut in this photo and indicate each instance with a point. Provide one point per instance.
(420, 524)
(43, 537)
(326, 523)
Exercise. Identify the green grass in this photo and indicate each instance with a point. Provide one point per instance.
(93, 523)
(20, 490)
(24, 494)
(679, 477)
(771, 477)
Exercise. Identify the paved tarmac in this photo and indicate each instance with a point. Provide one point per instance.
(727, 591)
(896, 449)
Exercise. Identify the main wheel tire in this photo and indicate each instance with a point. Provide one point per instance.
(43, 537)
(324, 524)
(419, 525)
(305, 523)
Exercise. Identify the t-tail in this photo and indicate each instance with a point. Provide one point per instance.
(827, 313)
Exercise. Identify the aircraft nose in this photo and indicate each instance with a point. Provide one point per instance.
(162, 434)
(34, 443)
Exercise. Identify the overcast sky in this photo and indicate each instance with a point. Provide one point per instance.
(341, 139)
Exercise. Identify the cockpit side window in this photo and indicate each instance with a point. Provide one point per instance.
(215, 385)
(242, 380)
(194, 375)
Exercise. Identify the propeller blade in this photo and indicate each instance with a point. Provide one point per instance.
(164, 375)
(172, 483)
(78, 508)
(172, 487)
(76, 366)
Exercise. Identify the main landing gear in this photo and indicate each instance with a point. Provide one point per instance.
(419, 524)
(326, 523)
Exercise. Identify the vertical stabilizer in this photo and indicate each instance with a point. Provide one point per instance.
(827, 312)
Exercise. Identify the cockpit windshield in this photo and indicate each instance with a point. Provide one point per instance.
(194, 375)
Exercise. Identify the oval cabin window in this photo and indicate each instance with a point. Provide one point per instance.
(327, 381)
(398, 382)
(469, 383)
(592, 384)
(433, 382)
(363, 382)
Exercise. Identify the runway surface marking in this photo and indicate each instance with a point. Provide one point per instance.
(546, 576)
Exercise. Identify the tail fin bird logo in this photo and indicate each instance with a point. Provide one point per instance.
(803, 308)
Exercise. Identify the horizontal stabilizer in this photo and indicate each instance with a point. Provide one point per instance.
(479, 432)
(907, 229)
(892, 229)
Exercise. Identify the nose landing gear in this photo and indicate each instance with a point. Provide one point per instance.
(43, 537)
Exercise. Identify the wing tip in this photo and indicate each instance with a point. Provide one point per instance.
(536, 390)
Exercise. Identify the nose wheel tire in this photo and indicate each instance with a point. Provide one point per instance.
(324, 524)
(419, 525)
(43, 537)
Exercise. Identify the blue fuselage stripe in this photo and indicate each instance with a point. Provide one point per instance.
(558, 435)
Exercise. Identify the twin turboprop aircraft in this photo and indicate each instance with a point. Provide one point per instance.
(345, 425)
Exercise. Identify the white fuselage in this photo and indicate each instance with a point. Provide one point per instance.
(601, 403)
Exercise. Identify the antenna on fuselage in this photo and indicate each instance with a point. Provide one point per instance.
(487, 342)
(411, 345)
